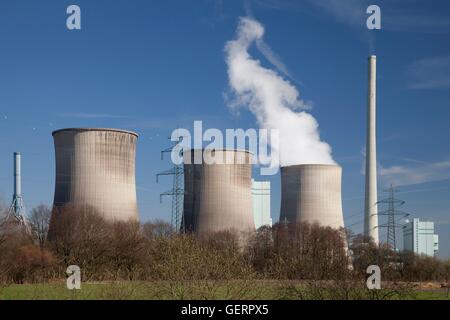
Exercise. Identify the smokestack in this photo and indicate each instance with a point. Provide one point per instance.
(371, 207)
(17, 183)
(17, 208)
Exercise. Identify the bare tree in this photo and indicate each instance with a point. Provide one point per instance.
(126, 247)
(39, 223)
(2, 222)
(157, 228)
(79, 236)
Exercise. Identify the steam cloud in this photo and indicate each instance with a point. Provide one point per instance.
(273, 100)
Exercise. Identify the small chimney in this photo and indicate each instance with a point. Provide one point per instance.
(17, 208)
(17, 181)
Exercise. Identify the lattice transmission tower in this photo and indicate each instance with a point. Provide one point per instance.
(177, 191)
(392, 212)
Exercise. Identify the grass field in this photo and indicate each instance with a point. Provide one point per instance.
(135, 290)
(147, 291)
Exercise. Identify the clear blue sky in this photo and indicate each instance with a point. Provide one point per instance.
(149, 66)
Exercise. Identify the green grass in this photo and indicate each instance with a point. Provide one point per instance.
(432, 295)
(88, 291)
(145, 290)
(132, 290)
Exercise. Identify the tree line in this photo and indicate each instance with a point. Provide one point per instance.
(321, 259)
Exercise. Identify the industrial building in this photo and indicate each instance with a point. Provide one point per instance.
(261, 203)
(311, 193)
(419, 237)
(95, 169)
(218, 197)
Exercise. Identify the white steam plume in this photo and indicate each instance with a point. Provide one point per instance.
(273, 100)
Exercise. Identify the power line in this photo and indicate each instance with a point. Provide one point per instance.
(361, 214)
(355, 223)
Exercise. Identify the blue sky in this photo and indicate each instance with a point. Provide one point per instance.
(150, 66)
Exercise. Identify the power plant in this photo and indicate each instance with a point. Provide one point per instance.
(311, 193)
(218, 196)
(210, 155)
(371, 206)
(95, 169)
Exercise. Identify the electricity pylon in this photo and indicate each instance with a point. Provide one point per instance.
(391, 212)
(177, 191)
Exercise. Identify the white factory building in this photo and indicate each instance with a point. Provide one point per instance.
(261, 203)
(419, 237)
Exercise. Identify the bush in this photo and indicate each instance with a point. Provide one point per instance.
(20, 259)
(298, 251)
(306, 260)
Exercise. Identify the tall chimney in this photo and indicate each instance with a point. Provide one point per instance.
(371, 207)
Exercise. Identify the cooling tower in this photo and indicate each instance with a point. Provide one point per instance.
(311, 193)
(218, 196)
(95, 168)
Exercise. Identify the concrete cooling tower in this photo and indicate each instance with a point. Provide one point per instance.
(218, 196)
(95, 168)
(311, 193)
